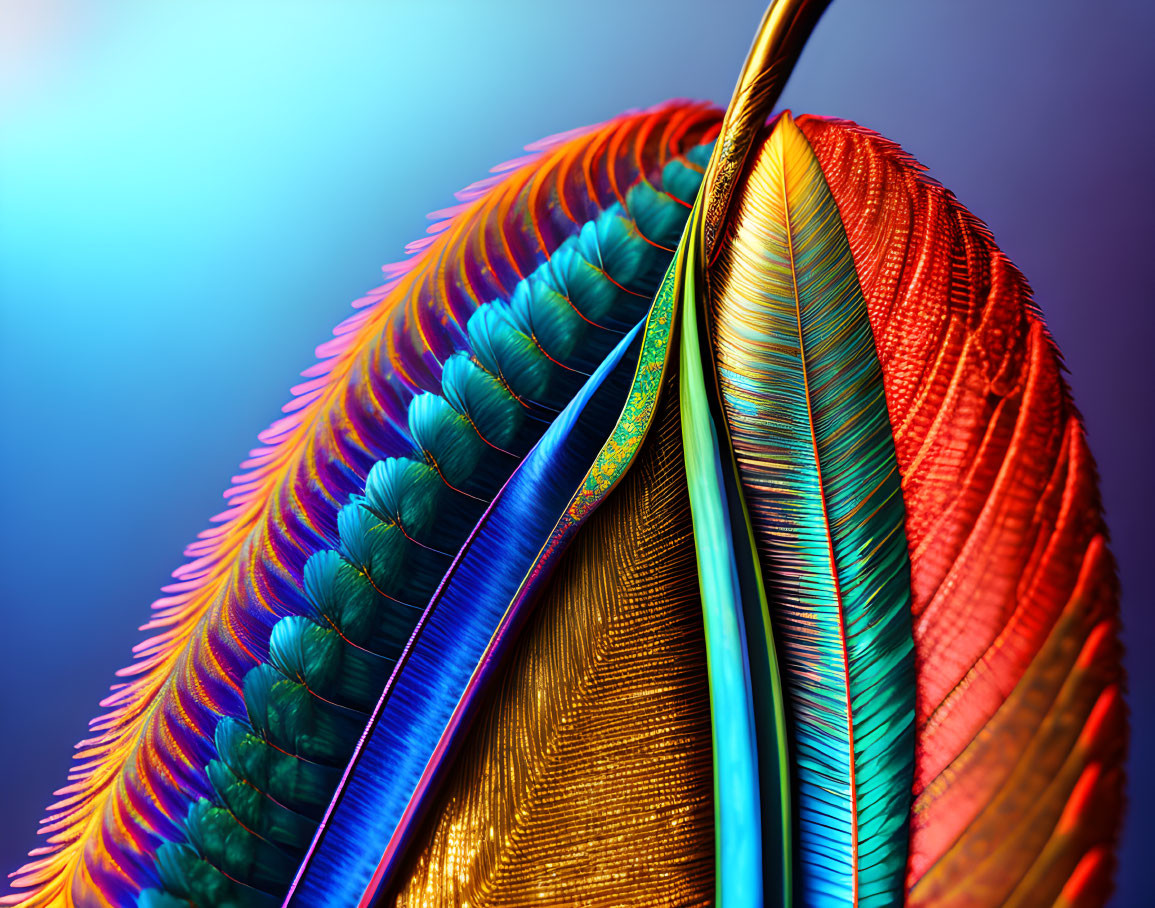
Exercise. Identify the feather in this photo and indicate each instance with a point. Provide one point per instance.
(909, 611)
(746, 697)
(1021, 727)
(428, 696)
(146, 760)
(802, 395)
(469, 624)
(579, 763)
(738, 799)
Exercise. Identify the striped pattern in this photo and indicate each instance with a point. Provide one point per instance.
(1021, 722)
(473, 617)
(585, 780)
(802, 394)
(888, 407)
(462, 636)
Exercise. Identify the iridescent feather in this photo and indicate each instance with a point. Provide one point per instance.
(802, 395)
(817, 368)
(464, 292)
(1021, 724)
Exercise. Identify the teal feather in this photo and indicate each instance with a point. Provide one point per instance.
(216, 836)
(295, 721)
(681, 180)
(508, 353)
(303, 785)
(542, 313)
(478, 396)
(257, 812)
(342, 597)
(613, 244)
(699, 156)
(586, 288)
(659, 218)
(412, 495)
(189, 878)
(604, 269)
(802, 391)
(390, 561)
(330, 666)
(445, 437)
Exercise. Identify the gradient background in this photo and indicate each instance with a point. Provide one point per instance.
(190, 194)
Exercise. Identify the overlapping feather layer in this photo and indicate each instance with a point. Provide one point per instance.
(802, 394)
(931, 539)
(929, 532)
(914, 473)
(1021, 727)
(580, 763)
(244, 705)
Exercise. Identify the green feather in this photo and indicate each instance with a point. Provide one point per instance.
(751, 779)
(343, 598)
(294, 720)
(328, 664)
(258, 812)
(193, 880)
(658, 216)
(483, 400)
(216, 836)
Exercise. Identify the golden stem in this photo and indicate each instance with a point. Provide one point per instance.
(785, 28)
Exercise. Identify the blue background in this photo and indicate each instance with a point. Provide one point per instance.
(190, 194)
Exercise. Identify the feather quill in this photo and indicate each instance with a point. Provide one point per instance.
(909, 608)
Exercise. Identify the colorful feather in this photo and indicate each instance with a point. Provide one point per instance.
(1018, 778)
(751, 789)
(783, 378)
(577, 764)
(449, 324)
(430, 696)
(802, 395)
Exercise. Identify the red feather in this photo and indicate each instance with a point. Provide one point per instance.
(1021, 725)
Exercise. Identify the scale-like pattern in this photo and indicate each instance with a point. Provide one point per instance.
(147, 761)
